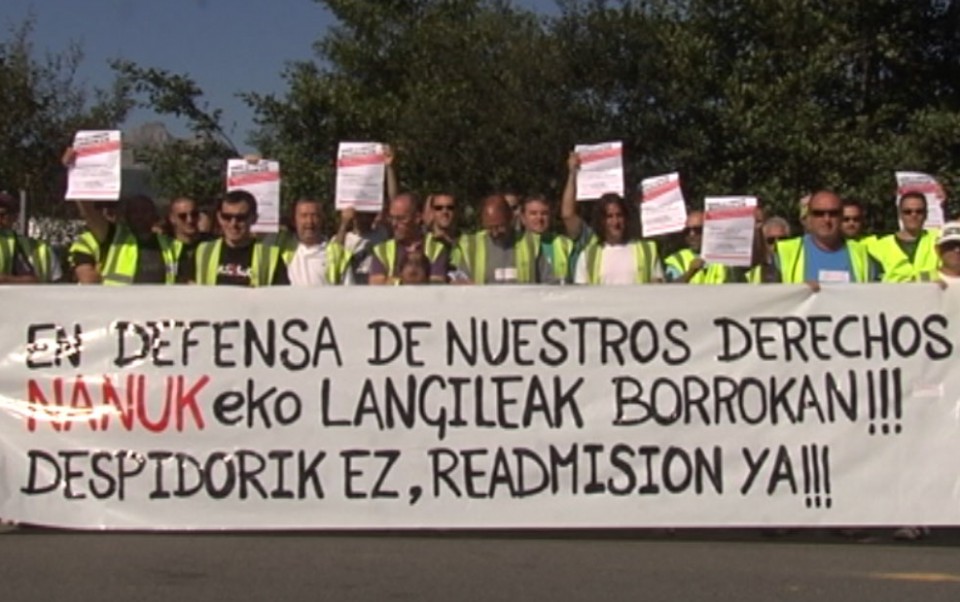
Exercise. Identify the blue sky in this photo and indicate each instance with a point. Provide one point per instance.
(227, 46)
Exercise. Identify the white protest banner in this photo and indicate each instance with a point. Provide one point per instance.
(663, 210)
(95, 173)
(728, 226)
(360, 174)
(206, 407)
(914, 181)
(601, 170)
(261, 178)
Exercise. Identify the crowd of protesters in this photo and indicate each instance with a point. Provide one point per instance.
(525, 240)
(520, 240)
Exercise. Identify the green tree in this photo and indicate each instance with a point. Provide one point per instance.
(471, 93)
(43, 105)
(192, 166)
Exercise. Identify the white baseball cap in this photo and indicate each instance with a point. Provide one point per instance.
(949, 232)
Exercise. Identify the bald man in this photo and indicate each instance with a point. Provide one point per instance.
(498, 254)
(822, 254)
(404, 219)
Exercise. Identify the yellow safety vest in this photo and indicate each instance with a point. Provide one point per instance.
(891, 257)
(263, 262)
(790, 252)
(714, 273)
(558, 250)
(120, 266)
(645, 252)
(87, 244)
(8, 250)
(338, 258)
(386, 252)
(40, 255)
(526, 252)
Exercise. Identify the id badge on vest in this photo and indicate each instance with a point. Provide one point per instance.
(833, 276)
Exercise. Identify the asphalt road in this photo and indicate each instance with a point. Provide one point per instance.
(738, 565)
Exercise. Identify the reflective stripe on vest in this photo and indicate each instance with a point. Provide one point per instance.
(792, 267)
(386, 252)
(526, 251)
(87, 244)
(120, 266)
(891, 257)
(714, 273)
(560, 248)
(8, 250)
(40, 256)
(644, 253)
(263, 262)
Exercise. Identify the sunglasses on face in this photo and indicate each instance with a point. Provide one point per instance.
(951, 246)
(913, 212)
(694, 230)
(235, 217)
(443, 208)
(825, 212)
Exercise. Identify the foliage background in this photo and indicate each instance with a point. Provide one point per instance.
(768, 97)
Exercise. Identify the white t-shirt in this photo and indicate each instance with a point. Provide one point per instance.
(309, 266)
(950, 280)
(618, 265)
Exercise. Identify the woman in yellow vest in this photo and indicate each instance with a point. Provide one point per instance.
(617, 255)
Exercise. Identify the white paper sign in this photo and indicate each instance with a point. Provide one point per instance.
(95, 173)
(360, 174)
(914, 181)
(728, 230)
(601, 170)
(151, 407)
(663, 209)
(261, 179)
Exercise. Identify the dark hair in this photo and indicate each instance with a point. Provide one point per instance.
(434, 196)
(632, 226)
(418, 259)
(535, 198)
(298, 202)
(853, 203)
(913, 194)
(238, 196)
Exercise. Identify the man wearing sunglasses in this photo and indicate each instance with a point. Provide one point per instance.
(822, 254)
(440, 215)
(405, 219)
(237, 258)
(183, 221)
(912, 244)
